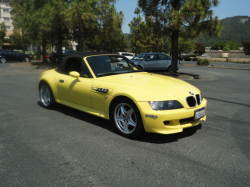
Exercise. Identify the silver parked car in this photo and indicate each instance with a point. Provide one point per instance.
(153, 61)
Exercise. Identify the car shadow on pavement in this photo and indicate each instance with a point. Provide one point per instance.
(106, 124)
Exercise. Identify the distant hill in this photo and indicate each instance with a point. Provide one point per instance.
(235, 28)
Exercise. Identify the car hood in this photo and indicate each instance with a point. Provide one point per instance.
(147, 85)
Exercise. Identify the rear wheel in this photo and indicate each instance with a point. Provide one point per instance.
(169, 67)
(46, 96)
(126, 118)
(3, 60)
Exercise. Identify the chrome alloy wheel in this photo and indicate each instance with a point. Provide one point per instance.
(3, 60)
(26, 59)
(125, 118)
(45, 95)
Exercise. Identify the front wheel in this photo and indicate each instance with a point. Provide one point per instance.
(46, 96)
(26, 59)
(3, 60)
(126, 118)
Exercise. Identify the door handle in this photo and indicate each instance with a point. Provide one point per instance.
(61, 81)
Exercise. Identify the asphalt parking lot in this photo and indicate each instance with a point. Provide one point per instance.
(66, 147)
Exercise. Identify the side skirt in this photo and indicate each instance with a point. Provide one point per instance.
(89, 110)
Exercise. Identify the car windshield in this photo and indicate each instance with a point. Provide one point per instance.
(111, 65)
(140, 57)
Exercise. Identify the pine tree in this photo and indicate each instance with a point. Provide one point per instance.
(182, 18)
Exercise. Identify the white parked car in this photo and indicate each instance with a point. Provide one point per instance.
(126, 54)
(204, 55)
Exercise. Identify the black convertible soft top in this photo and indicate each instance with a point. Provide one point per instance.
(61, 67)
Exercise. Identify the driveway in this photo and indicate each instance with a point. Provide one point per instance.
(66, 147)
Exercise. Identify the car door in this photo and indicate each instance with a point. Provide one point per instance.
(164, 61)
(17, 56)
(75, 90)
(151, 62)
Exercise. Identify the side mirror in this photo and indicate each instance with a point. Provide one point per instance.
(75, 74)
(147, 59)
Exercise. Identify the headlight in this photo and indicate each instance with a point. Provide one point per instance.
(165, 105)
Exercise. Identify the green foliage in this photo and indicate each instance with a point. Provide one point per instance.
(246, 45)
(2, 33)
(185, 45)
(203, 62)
(199, 49)
(199, 61)
(18, 41)
(182, 18)
(95, 24)
(232, 45)
(226, 48)
(218, 46)
(234, 29)
(144, 37)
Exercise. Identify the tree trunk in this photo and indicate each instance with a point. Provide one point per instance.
(174, 41)
(44, 50)
(80, 48)
(59, 48)
(38, 55)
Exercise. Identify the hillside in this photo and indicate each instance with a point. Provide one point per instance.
(235, 28)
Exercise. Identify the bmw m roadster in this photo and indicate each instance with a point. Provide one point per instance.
(112, 87)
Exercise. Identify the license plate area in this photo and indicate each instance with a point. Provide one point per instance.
(199, 113)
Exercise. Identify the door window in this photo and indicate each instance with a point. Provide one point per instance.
(162, 57)
(78, 65)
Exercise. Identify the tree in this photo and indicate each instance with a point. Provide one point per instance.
(232, 45)
(226, 48)
(20, 20)
(218, 46)
(2, 33)
(199, 49)
(82, 19)
(182, 18)
(246, 47)
(144, 34)
(185, 46)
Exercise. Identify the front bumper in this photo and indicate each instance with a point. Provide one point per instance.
(169, 121)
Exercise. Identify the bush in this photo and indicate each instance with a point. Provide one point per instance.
(199, 61)
(194, 59)
(205, 62)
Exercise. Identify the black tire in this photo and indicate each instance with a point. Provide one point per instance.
(126, 117)
(169, 67)
(46, 96)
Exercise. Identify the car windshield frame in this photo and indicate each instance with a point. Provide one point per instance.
(108, 65)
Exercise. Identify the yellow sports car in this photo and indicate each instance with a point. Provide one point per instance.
(112, 87)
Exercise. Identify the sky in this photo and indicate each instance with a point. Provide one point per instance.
(226, 8)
